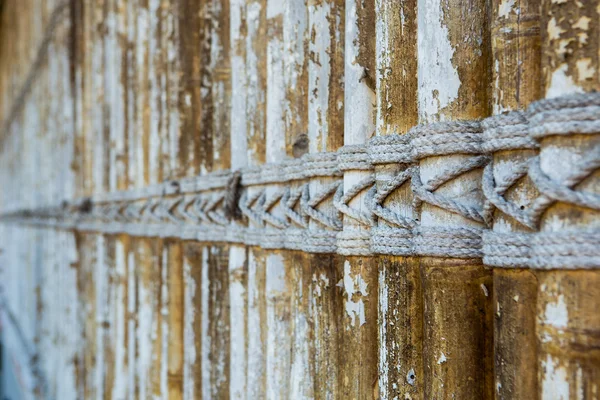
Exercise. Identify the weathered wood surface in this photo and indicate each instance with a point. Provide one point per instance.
(133, 93)
(400, 290)
(567, 321)
(516, 54)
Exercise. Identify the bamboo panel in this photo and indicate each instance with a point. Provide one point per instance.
(400, 291)
(325, 133)
(516, 52)
(567, 320)
(166, 95)
(358, 275)
(256, 86)
(238, 255)
(457, 358)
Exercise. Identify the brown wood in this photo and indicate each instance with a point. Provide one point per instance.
(400, 292)
(516, 80)
(139, 92)
(457, 358)
(567, 323)
(326, 28)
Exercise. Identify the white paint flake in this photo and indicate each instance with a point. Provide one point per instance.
(561, 83)
(354, 286)
(556, 314)
(505, 8)
(438, 78)
(555, 385)
(442, 359)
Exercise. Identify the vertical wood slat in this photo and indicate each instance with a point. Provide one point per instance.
(238, 255)
(358, 275)
(560, 371)
(325, 133)
(400, 293)
(567, 322)
(453, 42)
(256, 85)
(516, 77)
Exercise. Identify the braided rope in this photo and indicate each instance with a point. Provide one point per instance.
(201, 208)
(425, 192)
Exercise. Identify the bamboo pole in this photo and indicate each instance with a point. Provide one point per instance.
(219, 85)
(567, 321)
(358, 275)
(325, 133)
(145, 162)
(400, 292)
(453, 42)
(187, 152)
(256, 80)
(208, 286)
(237, 268)
(516, 57)
(287, 345)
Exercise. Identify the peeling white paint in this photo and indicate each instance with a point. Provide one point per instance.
(561, 83)
(383, 327)
(354, 286)
(583, 23)
(442, 359)
(319, 75)
(554, 30)
(556, 314)
(505, 8)
(237, 314)
(585, 69)
(555, 384)
(206, 340)
(438, 78)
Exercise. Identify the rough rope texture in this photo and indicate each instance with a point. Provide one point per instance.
(242, 207)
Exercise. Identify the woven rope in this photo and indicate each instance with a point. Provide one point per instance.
(202, 208)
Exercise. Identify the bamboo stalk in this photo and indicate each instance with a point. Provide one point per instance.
(567, 325)
(217, 80)
(400, 292)
(453, 42)
(237, 268)
(516, 55)
(325, 133)
(256, 80)
(358, 366)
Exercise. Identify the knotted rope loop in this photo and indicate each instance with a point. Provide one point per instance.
(553, 191)
(444, 138)
(308, 205)
(211, 209)
(425, 192)
(494, 194)
(132, 212)
(377, 196)
(266, 207)
(354, 157)
(315, 165)
(341, 201)
(507, 132)
(389, 149)
(392, 241)
(289, 200)
(183, 209)
(463, 242)
(567, 115)
(247, 202)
